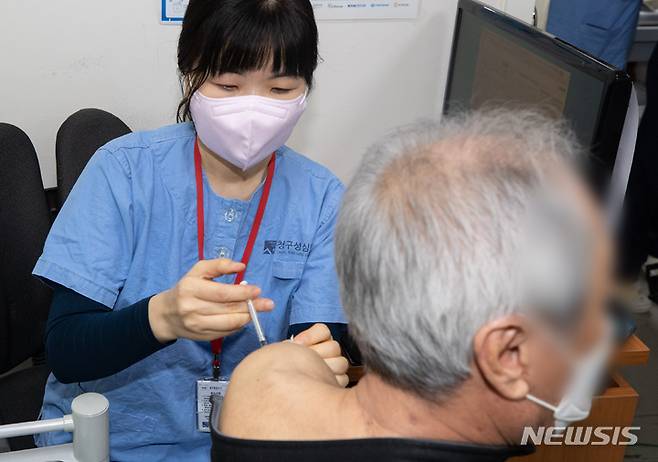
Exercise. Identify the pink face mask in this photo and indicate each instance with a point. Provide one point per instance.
(245, 130)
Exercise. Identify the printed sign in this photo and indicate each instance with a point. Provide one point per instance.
(173, 11)
(353, 9)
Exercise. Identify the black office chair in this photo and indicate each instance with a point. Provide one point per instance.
(24, 300)
(78, 139)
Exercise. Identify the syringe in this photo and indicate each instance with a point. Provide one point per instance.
(254, 318)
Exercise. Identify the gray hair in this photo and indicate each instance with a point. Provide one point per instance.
(434, 240)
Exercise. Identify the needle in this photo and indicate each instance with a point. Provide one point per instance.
(254, 318)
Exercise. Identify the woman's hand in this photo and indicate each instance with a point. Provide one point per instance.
(318, 338)
(199, 308)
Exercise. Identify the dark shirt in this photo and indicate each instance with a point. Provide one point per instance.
(225, 449)
(86, 341)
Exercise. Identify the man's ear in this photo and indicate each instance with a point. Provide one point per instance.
(501, 353)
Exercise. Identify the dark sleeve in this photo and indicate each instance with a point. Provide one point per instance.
(87, 341)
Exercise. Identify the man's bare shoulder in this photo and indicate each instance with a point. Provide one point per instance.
(276, 392)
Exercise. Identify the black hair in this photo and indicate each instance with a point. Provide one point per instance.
(221, 36)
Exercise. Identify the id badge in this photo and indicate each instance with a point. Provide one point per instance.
(205, 388)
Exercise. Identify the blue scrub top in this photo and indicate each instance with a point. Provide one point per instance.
(128, 231)
(603, 28)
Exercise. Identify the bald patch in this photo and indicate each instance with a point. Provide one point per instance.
(457, 168)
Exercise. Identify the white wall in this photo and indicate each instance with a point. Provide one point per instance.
(58, 57)
(522, 9)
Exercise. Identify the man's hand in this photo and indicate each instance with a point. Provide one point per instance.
(318, 338)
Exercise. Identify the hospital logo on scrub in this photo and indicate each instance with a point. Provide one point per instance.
(286, 248)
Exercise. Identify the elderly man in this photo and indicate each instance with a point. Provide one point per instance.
(474, 271)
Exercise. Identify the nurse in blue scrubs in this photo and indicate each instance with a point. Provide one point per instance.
(145, 254)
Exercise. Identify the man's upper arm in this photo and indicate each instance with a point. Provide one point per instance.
(267, 385)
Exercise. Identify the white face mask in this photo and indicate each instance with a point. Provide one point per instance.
(586, 376)
(245, 130)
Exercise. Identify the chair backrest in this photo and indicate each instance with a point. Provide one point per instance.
(78, 139)
(24, 225)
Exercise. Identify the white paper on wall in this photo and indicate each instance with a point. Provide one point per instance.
(173, 11)
(372, 9)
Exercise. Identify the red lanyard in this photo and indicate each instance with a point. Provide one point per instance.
(200, 221)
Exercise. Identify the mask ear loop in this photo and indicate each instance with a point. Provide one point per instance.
(569, 361)
(303, 100)
(541, 402)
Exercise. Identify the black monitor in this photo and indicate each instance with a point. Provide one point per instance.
(498, 59)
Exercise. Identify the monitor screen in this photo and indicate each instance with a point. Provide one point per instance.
(499, 60)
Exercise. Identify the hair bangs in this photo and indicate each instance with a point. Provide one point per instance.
(249, 49)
